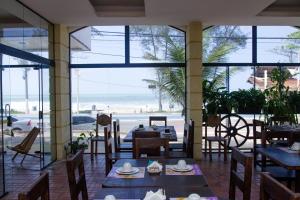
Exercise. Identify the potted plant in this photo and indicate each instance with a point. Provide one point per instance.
(81, 143)
(226, 102)
(211, 96)
(248, 101)
(277, 102)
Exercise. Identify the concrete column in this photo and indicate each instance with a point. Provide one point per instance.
(59, 80)
(194, 82)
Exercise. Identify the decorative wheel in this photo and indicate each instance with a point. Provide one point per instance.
(234, 128)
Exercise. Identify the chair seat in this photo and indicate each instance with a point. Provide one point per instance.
(120, 155)
(177, 154)
(175, 146)
(280, 173)
(97, 138)
(215, 138)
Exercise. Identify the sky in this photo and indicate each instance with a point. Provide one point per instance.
(129, 81)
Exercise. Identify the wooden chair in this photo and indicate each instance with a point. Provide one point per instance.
(279, 120)
(110, 156)
(144, 134)
(258, 128)
(38, 190)
(188, 142)
(279, 173)
(25, 146)
(272, 189)
(77, 185)
(157, 119)
(215, 121)
(151, 143)
(101, 120)
(236, 180)
(117, 139)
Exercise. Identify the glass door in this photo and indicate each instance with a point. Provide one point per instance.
(24, 89)
(2, 151)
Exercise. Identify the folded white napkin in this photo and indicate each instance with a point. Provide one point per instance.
(155, 195)
(155, 164)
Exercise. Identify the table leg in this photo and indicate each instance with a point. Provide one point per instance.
(297, 181)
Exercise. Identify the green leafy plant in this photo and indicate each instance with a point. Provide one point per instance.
(81, 143)
(248, 101)
(277, 96)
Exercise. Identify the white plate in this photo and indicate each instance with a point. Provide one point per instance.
(187, 169)
(134, 170)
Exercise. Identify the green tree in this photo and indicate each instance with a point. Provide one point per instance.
(166, 44)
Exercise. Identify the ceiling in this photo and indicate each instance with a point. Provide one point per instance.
(162, 12)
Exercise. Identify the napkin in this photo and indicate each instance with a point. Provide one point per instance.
(159, 195)
(155, 165)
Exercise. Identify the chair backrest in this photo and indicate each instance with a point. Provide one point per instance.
(272, 189)
(213, 120)
(236, 180)
(38, 190)
(157, 119)
(108, 141)
(188, 139)
(77, 185)
(28, 141)
(144, 134)
(152, 144)
(103, 120)
(117, 137)
(279, 120)
(258, 129)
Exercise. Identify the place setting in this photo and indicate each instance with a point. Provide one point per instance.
(127, 171)
(182, 168)
(160, 194)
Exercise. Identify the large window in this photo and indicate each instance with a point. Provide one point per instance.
(98, 44)
(130, 71)
(243, 57)
(127, 93)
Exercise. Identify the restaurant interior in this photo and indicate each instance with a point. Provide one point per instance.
(149, 99)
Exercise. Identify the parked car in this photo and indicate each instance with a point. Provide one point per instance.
(23, 125)
(83, 122)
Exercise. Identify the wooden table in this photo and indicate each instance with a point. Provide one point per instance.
(172, 136)
(290, 161)
(139, 193)
(161, 180)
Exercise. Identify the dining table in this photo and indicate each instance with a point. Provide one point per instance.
(167, 177)
(284, 157)
(291, 132)
(170, 192)
(166, 132)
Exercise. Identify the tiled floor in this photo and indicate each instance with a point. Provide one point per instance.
(216, 172)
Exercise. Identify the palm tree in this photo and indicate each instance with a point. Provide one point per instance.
(163, 40)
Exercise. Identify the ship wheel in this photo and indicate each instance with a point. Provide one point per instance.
(234, 128)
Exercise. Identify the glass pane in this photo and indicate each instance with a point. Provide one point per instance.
(227, 44)
(278, 44)
(130, 94)
(156, 44)
(22, 29)
(240, 78)
(262, 77)
(98, 44)
(217, 74)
